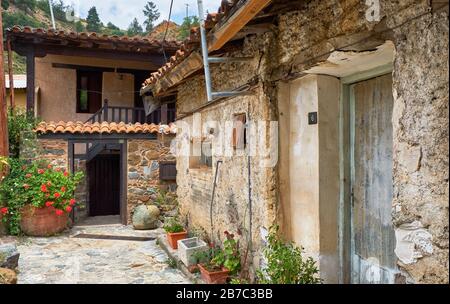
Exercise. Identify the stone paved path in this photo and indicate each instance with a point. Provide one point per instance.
(65, 259)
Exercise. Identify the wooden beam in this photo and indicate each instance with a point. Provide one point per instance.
(30, 80)
(185, 68)
(4, 149)
(225, 32)
(11, 75)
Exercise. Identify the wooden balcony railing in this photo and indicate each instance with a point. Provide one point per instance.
(118, 114)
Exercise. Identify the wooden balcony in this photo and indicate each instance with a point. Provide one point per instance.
(132, 115)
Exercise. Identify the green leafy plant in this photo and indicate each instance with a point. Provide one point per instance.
(172, 263)
(20, 123)
(228, 257)
(37, 184)
(173, 226)
(286, 264)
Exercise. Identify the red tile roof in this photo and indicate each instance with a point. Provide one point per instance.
(103, 128)
(88, 36)
(192, 42)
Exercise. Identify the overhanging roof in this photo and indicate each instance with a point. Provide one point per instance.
(88, 44)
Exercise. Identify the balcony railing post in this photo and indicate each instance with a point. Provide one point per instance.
(105, 110)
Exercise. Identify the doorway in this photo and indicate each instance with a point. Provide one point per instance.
(372, 238)
(104, 185)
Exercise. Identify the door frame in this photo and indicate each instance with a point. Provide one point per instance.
(347, 132)
(123, 169)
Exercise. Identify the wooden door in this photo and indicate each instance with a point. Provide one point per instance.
(104, 185)
(373, 239)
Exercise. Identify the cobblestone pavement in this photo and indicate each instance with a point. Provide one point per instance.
(66, 259)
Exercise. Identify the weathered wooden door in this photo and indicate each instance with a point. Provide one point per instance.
(104, 185)
(373, 239)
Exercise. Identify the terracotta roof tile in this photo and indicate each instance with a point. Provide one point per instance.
(51, 33)
(191, 43)
(103, 128)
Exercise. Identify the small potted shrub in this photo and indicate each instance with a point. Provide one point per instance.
(175, 232)
(224, 262)
(286, 263)
(38, 198)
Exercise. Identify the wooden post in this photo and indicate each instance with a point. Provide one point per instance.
(30, 81)
(4, 150)
(164, 119)
(11, 75)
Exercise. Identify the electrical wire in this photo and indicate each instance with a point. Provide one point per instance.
(167, 29)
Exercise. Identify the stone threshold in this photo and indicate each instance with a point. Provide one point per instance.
(173, 254)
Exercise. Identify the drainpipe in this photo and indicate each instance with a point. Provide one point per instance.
(201, 17)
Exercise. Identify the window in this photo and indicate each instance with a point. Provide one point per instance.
(89, 91)
(239, 131)
(205, 159)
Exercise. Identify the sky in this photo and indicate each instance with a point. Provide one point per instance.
(122, 12)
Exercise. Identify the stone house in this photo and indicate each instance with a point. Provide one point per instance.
(85, 89)
(336, 130)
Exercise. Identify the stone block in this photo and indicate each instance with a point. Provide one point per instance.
(9, 256)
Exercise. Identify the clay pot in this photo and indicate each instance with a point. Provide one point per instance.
(42, 221)
(173, 238)
(214, 277)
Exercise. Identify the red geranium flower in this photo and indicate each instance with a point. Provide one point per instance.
(44, 188)
(68, 209)
(66, 173)
(24, 167)
(41, 171)
(72, 202)
(49, 184)
(49, 166)
(48, 204)
(28, 175)
(59, 212)
(26, 186)
(4, 210)
(63, 189)
(57, 195)
(58, 169)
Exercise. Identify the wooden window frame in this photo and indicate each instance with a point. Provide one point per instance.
(80, 74)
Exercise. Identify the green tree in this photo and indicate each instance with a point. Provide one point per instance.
(93, 21)
(112, 29)
(5, 4)
(26, 4)
(152, 14)
(135, 28)
(79, 26)
(185, 28)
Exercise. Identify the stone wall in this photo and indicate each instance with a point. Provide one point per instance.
(304, 38)
(143, 181)
(55, 151)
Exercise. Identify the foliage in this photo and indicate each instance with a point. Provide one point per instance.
(152, 14)
(173, 226)
(5, 4)
(25, 4)
(135, 28)
(4, 165)
(93, 21)
(185, 28)
(79, 26)
(172, 263)
(238, 281)
(286, 264)
(19, 123)
(37, 184)
(228, 257)
(19, 18)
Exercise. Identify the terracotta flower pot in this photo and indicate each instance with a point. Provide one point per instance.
(173, 238)
(42, 221)
(214, 277)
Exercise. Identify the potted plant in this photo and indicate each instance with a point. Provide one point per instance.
(175, 232)
(224, 262)
(38, 198)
